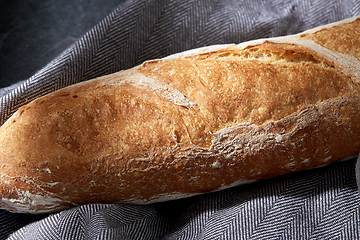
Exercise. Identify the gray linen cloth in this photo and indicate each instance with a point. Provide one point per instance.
(322, 203)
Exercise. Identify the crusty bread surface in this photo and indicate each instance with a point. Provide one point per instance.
(191, 123)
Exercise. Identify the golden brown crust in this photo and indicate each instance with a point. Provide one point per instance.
(344, 38)
(186, 124)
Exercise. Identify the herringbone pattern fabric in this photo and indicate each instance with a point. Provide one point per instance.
(318, 204)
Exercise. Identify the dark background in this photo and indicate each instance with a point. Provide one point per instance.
(34, 32)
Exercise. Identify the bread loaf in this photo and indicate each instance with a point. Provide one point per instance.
(191, 123)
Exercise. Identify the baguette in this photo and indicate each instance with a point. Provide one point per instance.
(191, 123)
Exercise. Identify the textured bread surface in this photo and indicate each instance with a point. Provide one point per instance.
(191, 123)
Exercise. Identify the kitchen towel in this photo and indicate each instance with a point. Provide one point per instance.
(321, 203)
